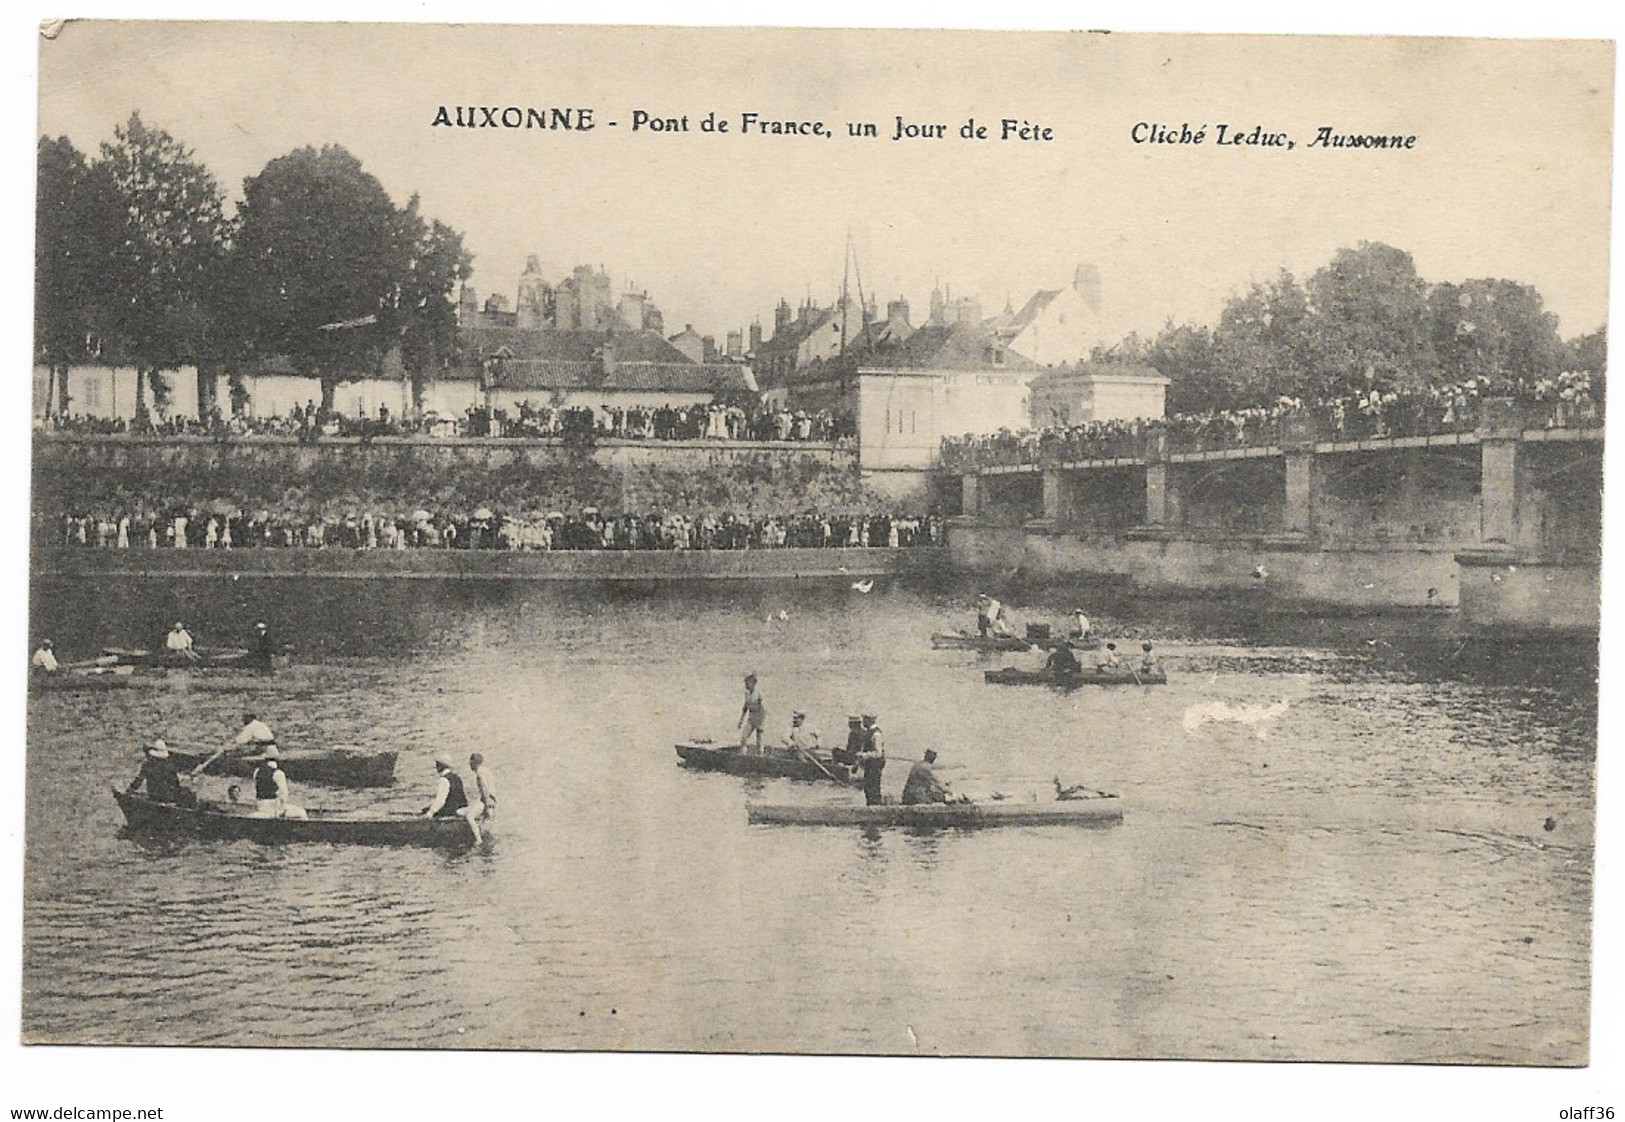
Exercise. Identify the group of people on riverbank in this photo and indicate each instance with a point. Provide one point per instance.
(217, 526)
(1570, 399)
(715, 421)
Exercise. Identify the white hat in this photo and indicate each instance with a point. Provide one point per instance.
(158, 749)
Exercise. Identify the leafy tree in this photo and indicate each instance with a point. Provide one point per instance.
(78, 222)
(169, 255)
(1588, 353)
(425, 299)
(1184, 355)
(1370, 324)
(319, 264)
(1494, 328)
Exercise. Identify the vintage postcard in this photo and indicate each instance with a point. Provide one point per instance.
(824, 542)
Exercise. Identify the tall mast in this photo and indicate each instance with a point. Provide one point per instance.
(846, 270)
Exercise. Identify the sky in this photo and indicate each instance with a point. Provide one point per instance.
(1509, 176)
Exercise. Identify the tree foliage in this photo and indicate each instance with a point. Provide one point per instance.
(319, 265)
(78, 223)
(168, 256)
(425, 297)
(1364, 321)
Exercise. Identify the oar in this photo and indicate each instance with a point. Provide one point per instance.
(201, 768)
(814, 761)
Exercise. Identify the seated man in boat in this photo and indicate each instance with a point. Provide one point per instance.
(847, 755)
(800, 738)
(163, 782)
(990, 618)
(44, 660)
(179, 641)
(1061, 660)
(1109, 660)
(1149, 663)
(872, 759)
(254, 737)
(753, 716)
(271, 788)
(450, 800)
(922, 784)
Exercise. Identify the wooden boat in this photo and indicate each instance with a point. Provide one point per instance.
(965, 641)
(208, 658)
(1125, 675)
(216, 821)
(79, 680)
(1070, 812)
(336, 767)
(705, 755)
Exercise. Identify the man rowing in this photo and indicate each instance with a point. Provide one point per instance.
(1081, 627)
(1109, 659)
(254, 737)
(161, 778)
(1061, 660)
(485, 786)
(265, 648)
(179, 642)
(450, 800)
(922, 784)
(800, 738)
(44, 660)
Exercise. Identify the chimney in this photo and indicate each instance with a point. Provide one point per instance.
(755, 336)
(606, 355)
(1086, 279)
(897, 313)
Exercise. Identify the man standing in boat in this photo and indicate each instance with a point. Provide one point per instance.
(872, 759)
(485, 786)
(271, 788)
(990, 618)
(265, 648)
(162, 780)
(450, 800)
(753, 716)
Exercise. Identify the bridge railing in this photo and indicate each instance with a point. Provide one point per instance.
(1569, 401)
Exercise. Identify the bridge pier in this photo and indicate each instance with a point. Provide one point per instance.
(970, 494)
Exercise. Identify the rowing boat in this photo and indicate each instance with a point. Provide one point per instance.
(215, 821)
(80, 681)
(206, 658)
(1069, 812)
(964, 641)
(705, 755)
(1088, 676)
(336, 767)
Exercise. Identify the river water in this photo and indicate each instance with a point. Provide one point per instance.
(1348, 839)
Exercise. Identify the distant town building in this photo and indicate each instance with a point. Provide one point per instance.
(1076, 394)
(690, 343)
(1058, 325)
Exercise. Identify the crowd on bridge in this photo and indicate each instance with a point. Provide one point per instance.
(1567, 400)
(220, 526)
(526, 421)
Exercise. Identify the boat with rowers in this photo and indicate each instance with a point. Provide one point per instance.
(1104, 811)
(82, 679)
(966, 641)
(337, 767)
(1123, 675)
(783, 763)
(228, 822)
(199, 658)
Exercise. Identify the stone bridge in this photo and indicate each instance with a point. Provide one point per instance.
(1503, 520)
